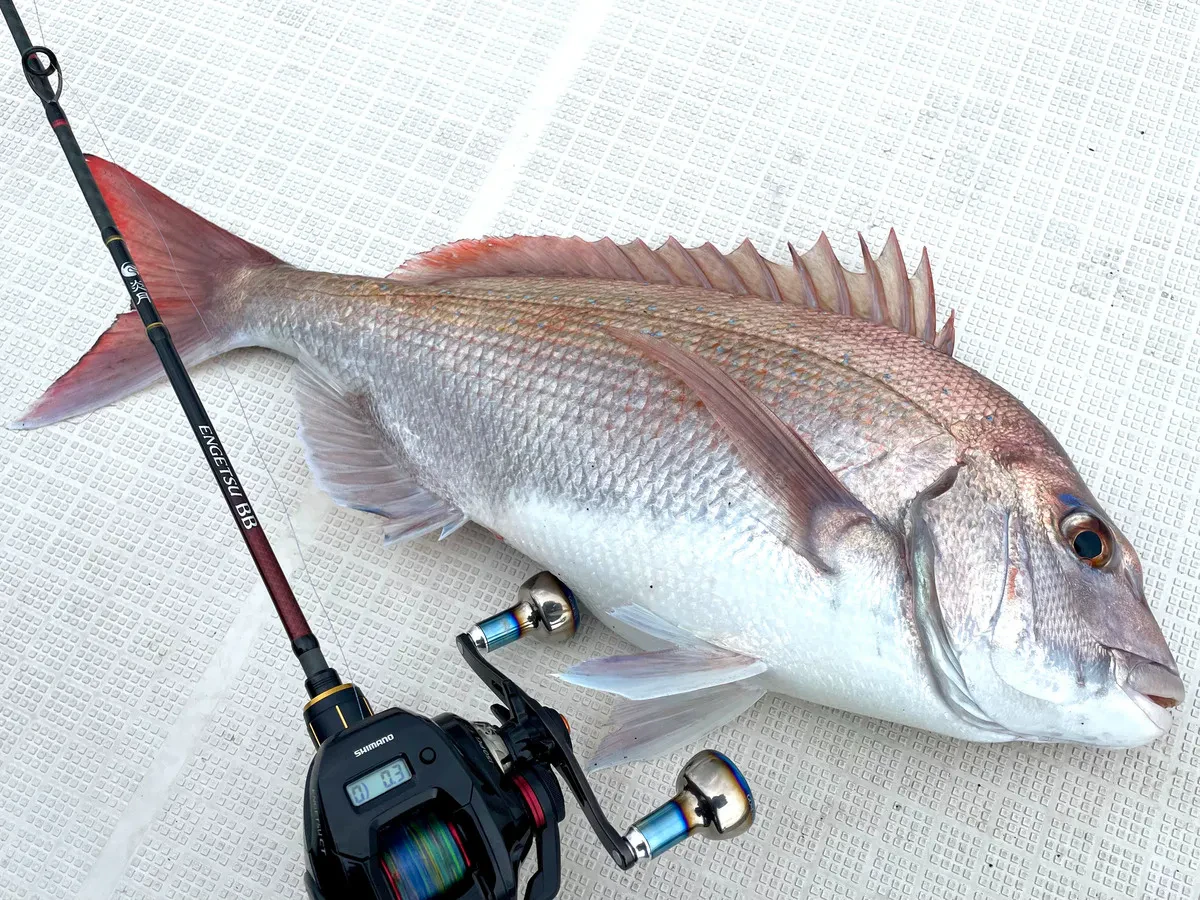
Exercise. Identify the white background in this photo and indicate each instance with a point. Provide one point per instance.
(152, 744)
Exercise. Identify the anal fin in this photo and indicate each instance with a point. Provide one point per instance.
(645, 729)
(687, 664)
(353, 462)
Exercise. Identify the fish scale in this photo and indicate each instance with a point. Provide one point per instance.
(541, 372)
(786, 478)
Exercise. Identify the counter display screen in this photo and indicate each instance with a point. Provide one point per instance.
(378, 781)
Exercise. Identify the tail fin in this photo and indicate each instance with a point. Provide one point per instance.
(183, 260)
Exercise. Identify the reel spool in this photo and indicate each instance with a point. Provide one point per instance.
(424, 859)
(402, 807)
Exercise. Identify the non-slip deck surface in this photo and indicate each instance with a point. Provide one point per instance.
(1046, 152)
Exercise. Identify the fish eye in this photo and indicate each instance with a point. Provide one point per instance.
(1089, 538)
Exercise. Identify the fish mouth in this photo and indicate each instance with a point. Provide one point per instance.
(1154, 687)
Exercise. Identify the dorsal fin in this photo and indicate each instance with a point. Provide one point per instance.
(884, 292)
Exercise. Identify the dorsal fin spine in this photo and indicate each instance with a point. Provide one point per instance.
(844, 306)
(879, 312)
(652, 267)
(924, 279)
(945, 337)
(617, 256)
(765, 269)
(806, 282)
(721, 268)
(883, 293)
(891, 260)
(692, 265)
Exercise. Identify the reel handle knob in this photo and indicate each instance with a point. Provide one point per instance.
(543, 603)
(713, 800)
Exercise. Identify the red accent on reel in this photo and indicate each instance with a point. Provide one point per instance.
(531, 801)
(461, 846)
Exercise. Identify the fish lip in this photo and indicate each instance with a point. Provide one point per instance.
(1147, 682)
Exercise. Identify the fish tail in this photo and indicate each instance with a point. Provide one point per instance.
(186, 263)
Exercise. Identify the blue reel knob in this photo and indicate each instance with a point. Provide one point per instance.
(713, 800)
(543, 603)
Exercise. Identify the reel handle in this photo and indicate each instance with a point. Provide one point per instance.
(714, 800)
(543, 602)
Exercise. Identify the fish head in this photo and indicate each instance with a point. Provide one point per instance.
(1046, 634)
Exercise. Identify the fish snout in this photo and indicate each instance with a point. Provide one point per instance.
(1156, 681)
(1154, 686)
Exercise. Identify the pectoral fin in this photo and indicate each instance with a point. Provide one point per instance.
(688, 664)
(786, 468)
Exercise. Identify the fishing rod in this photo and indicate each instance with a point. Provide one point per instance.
(44, 75)
(399, 806)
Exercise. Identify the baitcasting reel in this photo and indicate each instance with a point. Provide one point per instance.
(401, 807)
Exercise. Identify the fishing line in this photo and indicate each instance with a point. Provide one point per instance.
(425, 859)
(222, 366)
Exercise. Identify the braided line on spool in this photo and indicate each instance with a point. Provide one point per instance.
(424, 859)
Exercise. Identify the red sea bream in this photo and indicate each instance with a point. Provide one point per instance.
(769, 477)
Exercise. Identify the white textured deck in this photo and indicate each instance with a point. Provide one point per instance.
(1046, 152)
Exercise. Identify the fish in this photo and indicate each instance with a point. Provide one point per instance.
(769, 477)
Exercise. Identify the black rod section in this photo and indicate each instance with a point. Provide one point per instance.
(42, 71)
